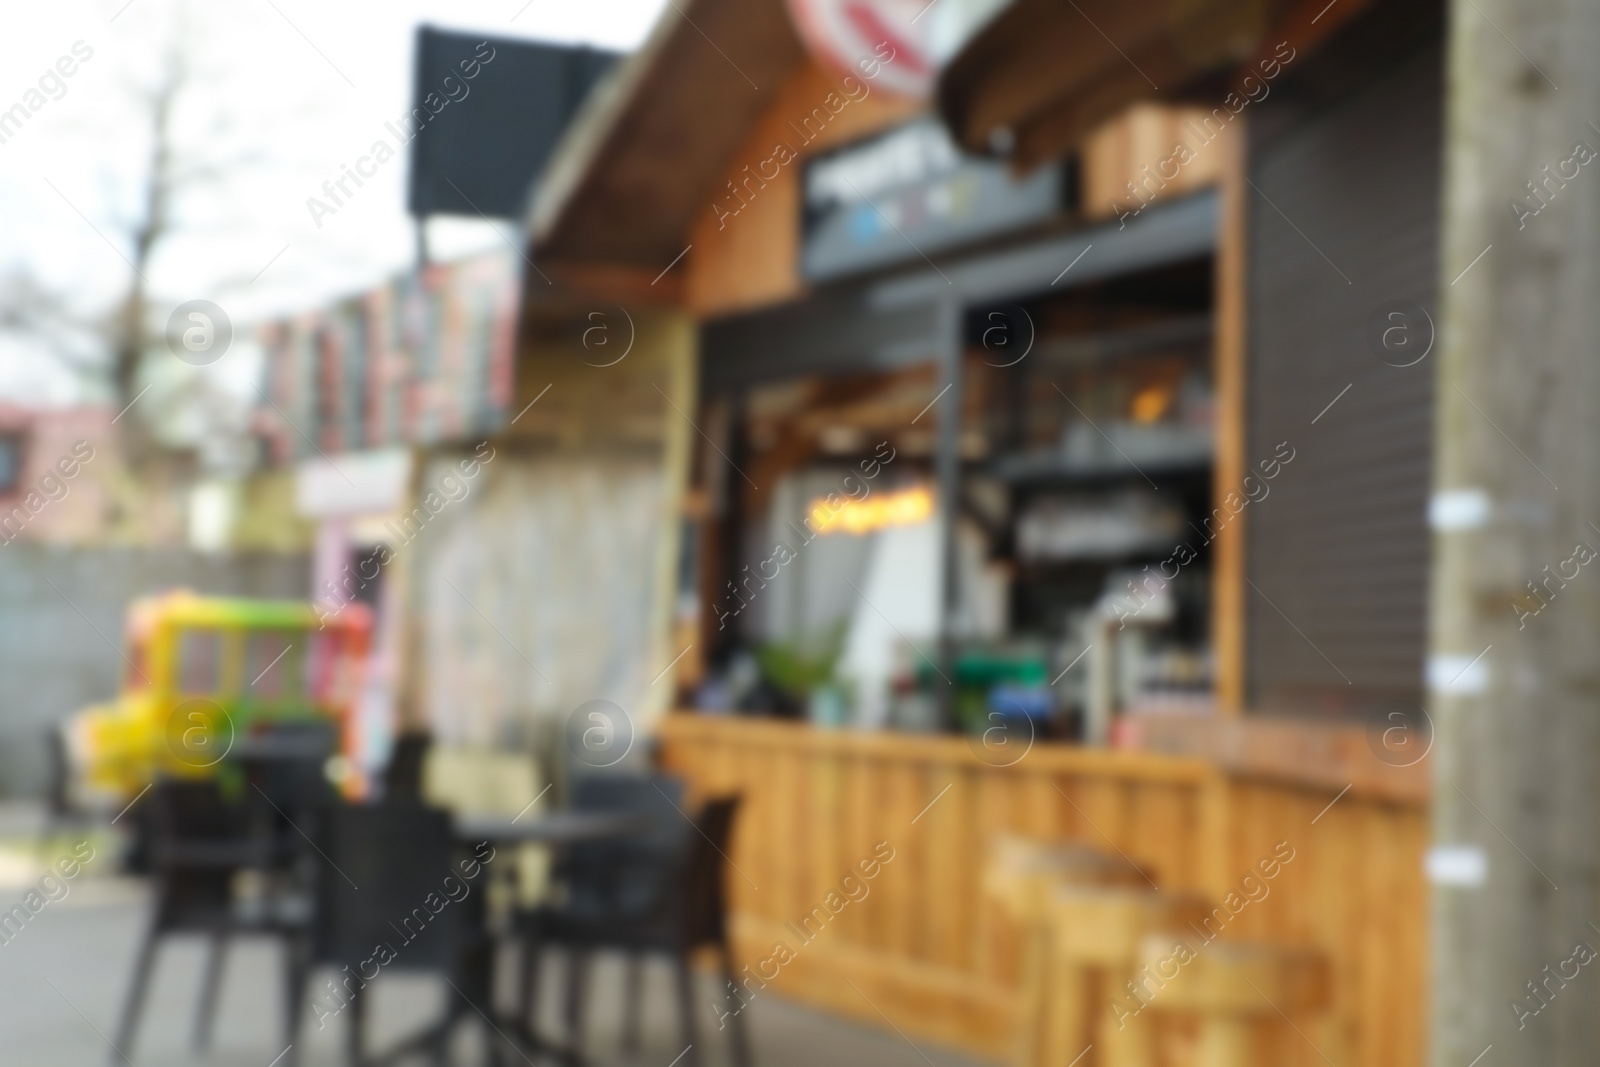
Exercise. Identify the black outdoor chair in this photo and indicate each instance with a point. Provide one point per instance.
(660, 892)
(597, 877)
(199, 842)
(286, 763)
(284, 769)
(402, 778)
(400, 855)
(62, 811)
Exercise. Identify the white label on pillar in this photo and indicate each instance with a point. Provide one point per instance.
(1458, 674)
(1458, 509)
(1457, 865)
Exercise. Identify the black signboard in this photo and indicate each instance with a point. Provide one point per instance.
(909, 192)
(486, 113)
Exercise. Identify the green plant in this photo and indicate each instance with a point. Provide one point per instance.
(797, 667)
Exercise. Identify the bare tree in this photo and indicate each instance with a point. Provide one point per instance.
(130, 333)
(172, 171)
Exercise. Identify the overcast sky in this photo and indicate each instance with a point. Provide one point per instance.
(284, 92)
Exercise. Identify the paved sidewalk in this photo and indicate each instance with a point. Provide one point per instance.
(62, 979)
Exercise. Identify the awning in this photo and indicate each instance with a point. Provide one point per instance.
(1042, 73)
(894, 322)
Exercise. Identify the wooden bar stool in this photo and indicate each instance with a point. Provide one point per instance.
(1234, 989)
(1021, 877)
(1098, 937)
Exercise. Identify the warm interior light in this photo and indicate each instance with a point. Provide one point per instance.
(1152, 402)
(875, 512)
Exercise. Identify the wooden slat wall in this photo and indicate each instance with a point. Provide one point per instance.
(1122, 151)
(922, 950)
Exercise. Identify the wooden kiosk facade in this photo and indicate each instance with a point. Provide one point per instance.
(671, 196)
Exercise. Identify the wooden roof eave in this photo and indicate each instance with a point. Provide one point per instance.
(1045, 75)
(581, 145)
(634, 171)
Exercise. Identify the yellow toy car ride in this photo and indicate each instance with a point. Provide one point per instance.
(203, 674)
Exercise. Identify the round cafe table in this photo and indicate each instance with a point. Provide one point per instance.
(556, 829)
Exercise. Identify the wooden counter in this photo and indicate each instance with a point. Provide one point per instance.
(920, 949)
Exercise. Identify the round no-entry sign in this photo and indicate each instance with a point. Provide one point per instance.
(887, 42)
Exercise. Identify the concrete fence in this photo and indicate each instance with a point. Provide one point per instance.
(61, 629)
